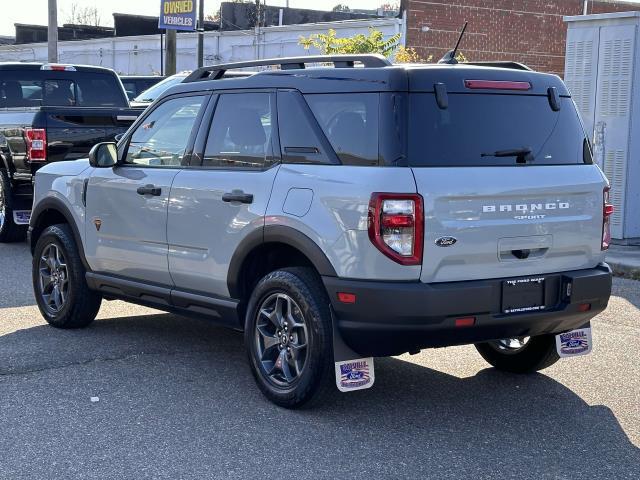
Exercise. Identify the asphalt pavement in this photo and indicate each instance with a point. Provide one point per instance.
(144, 394)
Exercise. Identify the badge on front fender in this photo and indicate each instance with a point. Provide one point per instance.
(574, 343)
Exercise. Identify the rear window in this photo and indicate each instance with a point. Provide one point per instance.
(34, 88)
(476, 126)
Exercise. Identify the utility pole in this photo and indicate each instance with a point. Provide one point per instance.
(200, 33)
(52, 32)
(170, 50)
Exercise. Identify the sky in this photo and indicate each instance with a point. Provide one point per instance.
(35, 11)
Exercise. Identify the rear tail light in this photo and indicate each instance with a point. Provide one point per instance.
(496, 85)
(396, 226)
(36, 144)
(607, 211)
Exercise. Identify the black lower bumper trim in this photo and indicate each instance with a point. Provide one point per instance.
(390, 318)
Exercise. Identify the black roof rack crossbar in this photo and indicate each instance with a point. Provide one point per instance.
(500, 64)
(215, 72)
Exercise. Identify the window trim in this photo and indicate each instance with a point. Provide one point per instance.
(188, 152)
(200, 144)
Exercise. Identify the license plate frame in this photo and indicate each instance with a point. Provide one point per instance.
(523, 295)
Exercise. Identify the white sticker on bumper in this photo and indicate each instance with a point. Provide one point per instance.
(355, 374)
(574, 343)
(21, 217)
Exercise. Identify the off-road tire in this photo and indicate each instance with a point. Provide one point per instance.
(537, 354)
(9, 231)
(317, 379)
(82, 304)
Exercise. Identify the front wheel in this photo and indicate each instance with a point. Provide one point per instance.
(520, 355)
(59, 283)
(288, 336)
(9, 231)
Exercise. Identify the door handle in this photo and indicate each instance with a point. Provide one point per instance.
(149, 190)
(237, 196)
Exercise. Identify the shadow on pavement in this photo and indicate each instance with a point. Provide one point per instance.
(177, 400)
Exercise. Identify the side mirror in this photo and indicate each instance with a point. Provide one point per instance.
(103, 155)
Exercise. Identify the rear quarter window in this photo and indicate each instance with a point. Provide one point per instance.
(476, 125)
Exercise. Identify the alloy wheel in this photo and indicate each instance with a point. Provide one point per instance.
(53, 278)
(510, 345)
(281, 339)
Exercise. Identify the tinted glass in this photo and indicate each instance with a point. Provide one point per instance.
(298, 140)
(240, 133)
(162, 138)
(34, 88)
(476, 126)
(350, 122)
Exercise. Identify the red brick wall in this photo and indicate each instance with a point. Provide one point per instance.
(527, 31)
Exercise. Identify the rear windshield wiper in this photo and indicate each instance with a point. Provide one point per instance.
(523, 155)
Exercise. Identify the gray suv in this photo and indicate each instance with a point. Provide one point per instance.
(336, 214)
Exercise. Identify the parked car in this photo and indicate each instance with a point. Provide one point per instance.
(336, 215)
(134, 85)
(146, 97)
(50, 113)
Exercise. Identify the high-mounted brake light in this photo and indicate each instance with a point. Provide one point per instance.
(396, 226)
(607, 211)
(58, 68)
(36, 139)
(496, 85)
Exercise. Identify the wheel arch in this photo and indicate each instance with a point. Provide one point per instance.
(266, 249)
(52, 211)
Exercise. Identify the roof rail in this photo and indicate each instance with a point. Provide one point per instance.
(215, 72)
(500, 64)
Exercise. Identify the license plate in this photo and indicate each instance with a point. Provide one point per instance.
(523, 295)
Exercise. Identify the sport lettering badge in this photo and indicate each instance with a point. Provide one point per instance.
(354, 374)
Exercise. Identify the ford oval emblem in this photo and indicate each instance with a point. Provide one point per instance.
(446, 241)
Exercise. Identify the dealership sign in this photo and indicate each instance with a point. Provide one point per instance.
(177, 15)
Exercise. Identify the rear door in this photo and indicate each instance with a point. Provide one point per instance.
(126, 219)
(216, 204)
(489, 215)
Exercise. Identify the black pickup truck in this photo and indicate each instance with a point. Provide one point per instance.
(48, 113)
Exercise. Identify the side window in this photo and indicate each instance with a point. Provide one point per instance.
(298, 140)
(161, 139)
(240, 133)
(350, 122)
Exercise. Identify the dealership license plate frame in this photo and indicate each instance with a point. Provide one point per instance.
(523, 295)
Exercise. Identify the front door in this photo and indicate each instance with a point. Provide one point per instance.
(126, 215)
(214, 207)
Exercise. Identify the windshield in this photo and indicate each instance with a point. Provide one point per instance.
(494, 129)
(154, 92)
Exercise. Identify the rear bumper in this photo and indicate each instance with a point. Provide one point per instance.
(389, 318)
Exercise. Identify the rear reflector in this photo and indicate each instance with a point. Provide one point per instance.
(496, 85)
(346, 297)
(584, 307)
(465, 322)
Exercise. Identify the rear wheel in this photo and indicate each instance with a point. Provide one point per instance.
(520, 355)
(288, 337)
(9, 231)
(59, 283)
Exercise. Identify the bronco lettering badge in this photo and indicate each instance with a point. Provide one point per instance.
(354, 374)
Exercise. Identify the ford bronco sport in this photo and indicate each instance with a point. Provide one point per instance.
(339, 214)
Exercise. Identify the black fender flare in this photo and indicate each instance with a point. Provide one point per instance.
(275, 234)
(57, 205)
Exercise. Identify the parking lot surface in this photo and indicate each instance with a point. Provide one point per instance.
(144, 394)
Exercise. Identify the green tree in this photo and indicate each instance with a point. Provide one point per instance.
(341, 8)
(329, 43)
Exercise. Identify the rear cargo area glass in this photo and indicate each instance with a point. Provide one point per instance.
(477, 124)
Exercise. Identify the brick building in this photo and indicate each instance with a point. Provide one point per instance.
(528, 31)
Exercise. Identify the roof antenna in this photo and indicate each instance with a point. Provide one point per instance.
(450, 56)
